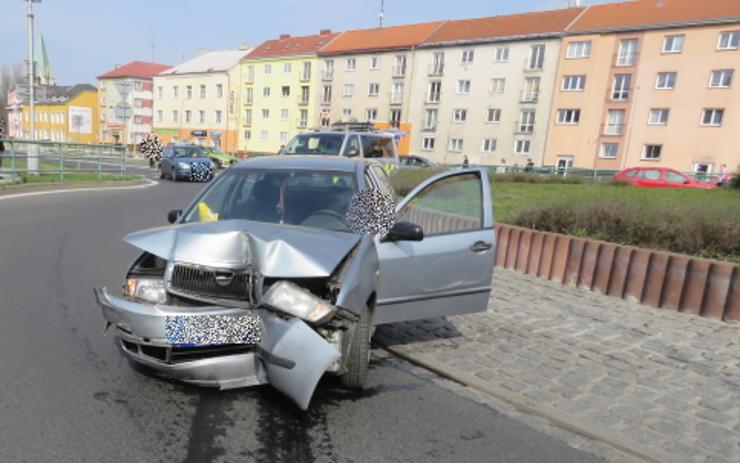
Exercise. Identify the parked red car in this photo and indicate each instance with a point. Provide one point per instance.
(659, 177)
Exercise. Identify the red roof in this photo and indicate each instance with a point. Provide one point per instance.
(644, 13)
(385, 38)
(514, 25)
(140, 69)
(292, 46)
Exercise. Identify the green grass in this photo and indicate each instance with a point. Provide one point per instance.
(49, 174)
(699, 222)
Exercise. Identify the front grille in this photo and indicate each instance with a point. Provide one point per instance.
(178, 354)
(203, 283)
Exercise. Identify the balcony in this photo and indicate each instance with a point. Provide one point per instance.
(429, 127)
(303, 100)
(524, 127)
(396, 98)
(530, 66)
(247, 123)
(613, 130)
(436, 69)
(305, 77)
(399, 71)
(302, 123)
(529, 96)
(249, 79)
(624, 60)
(432, 97)
(327, 75)
(326, 99)
(249, 101)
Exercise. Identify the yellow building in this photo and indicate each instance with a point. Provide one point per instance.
(279, 99)
(66, 114)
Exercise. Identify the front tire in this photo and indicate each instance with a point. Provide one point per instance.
(174, 175)
(358, 357)
(161, 173)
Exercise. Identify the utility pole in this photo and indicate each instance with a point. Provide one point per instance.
(382, 13)
(32, 152)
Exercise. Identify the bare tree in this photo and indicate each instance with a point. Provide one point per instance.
(10, 75)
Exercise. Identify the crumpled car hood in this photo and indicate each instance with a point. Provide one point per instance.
(275, 250)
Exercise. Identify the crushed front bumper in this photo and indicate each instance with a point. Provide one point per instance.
(290, 356)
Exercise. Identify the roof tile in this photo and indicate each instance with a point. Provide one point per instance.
(386, 38)
(292, 46)
(140, 69)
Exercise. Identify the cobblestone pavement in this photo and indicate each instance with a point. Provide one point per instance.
(656, 384)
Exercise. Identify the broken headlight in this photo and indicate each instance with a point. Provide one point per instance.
(145, 289)
(294, 300)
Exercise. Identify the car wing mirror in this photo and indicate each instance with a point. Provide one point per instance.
(405, 231)
(174, 215)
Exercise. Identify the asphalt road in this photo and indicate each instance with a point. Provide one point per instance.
(67, 396)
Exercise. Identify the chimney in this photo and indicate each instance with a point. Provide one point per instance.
(284, 36)
(325, 32)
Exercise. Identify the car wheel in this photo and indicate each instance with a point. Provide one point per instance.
(161, 174)
(358, 357)
(174, 175)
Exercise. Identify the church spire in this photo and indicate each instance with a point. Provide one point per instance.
(44, 75)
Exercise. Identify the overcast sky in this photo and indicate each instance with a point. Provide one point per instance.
(85, 38)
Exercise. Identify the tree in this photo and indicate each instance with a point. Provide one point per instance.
(10, 75)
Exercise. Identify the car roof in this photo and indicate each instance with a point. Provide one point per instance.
(334, 163)
(348, 132)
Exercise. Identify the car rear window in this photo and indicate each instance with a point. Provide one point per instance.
(377, 147)
(315, 143)
(650, 174)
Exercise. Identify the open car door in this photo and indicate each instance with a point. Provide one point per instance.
(449, 271)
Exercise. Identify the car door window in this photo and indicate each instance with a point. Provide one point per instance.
(383, 182)
(631, 173)
(675, 177)
(352, 147)
(450, 205)
(650, 174)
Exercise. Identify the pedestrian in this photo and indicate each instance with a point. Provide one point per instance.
(724, 175)
(501, 169)
(466, 162)
(530, 166)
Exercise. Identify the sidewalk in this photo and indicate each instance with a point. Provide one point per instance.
(658, 385)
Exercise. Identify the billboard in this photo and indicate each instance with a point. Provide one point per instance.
(80, 120)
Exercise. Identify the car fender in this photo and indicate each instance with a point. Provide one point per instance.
(359, 280)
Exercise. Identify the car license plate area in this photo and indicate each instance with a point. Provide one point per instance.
(213, 330)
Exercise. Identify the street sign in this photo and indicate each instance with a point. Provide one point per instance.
(199, 133)
(124, 87)
(123, 111)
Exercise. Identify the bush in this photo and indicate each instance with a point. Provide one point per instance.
(734, 181)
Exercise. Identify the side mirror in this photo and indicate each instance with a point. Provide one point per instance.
(174, 215)
(405, 231)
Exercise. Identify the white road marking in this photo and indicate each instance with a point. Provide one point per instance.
(78, 190)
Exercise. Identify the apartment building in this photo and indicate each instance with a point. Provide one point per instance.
(278, 98)
(483, 88)
(649, 84)
(197, 101)
(366, 76)
(64, 113)
(125, 100)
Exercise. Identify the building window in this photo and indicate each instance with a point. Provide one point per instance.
(498, 85)
(217, 117)
(265, 92)
(397, 93)
(284, 114)
(247, 134)
(467, 57)
(712, 117)
(201, 117)
(621, 88)
(579, 49)
(427, 143)
(502, 54)
(522, 146)
(459, 116)
(658, 116)
(268, 69)
(627, 55)
(247, 116)
(265, 114)
(493, 116)
(651, 152)
(721, 78)
(174, 91)
(609, 150)
(348, 90)
(326, 94)
(430, 119)
(665, 80)
(434, 92)
(614, 122)
(574, 83)
(263, 135)
(306, 75)
(285, 90)
(303, 118)
(399, 68)
(202, 91)
(371, 115)
(188, 116)
(351, 64)
(456, 145)
(159, 116)
(729, 40)
(569, 116)
(531, 90)
(346, 114)
(489, 145)
(138, 85)
(174, 116)
(526, 122)
(395, 118)
(536, 58)
(188, 91)
(673, 43)
(287, 68)
(248, 95)
(137, 119)
(375, 63)
(160, 92)
(373, 89)
(283, 136)
(463, 87)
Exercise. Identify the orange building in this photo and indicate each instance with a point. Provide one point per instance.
(649, 83)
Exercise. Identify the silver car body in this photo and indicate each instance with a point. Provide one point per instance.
(443, 274)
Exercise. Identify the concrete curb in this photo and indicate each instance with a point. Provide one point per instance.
(56, 188)
(522, 404)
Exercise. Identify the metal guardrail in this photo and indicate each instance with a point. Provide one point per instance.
(58, 159)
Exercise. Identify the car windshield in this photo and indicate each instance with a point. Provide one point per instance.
(187, 152)
(316, 199)
(315, 143)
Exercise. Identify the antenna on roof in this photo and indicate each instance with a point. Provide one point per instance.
(381, 14)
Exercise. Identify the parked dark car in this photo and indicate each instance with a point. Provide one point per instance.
(659, 177)
(416, 161)
(186, 162)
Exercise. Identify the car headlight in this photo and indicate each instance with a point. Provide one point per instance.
(146, 289)
(294, 300)
(183, 165)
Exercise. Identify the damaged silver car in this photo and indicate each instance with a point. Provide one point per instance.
(279, 270)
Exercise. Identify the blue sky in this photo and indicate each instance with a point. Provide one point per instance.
(85, 38)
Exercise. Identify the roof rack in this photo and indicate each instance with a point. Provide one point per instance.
(354, 126)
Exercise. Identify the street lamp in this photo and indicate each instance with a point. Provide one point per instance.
(32, 152)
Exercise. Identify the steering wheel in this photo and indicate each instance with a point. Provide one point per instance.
(336, 220)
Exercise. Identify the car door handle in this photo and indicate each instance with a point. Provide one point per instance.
(480, 246)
